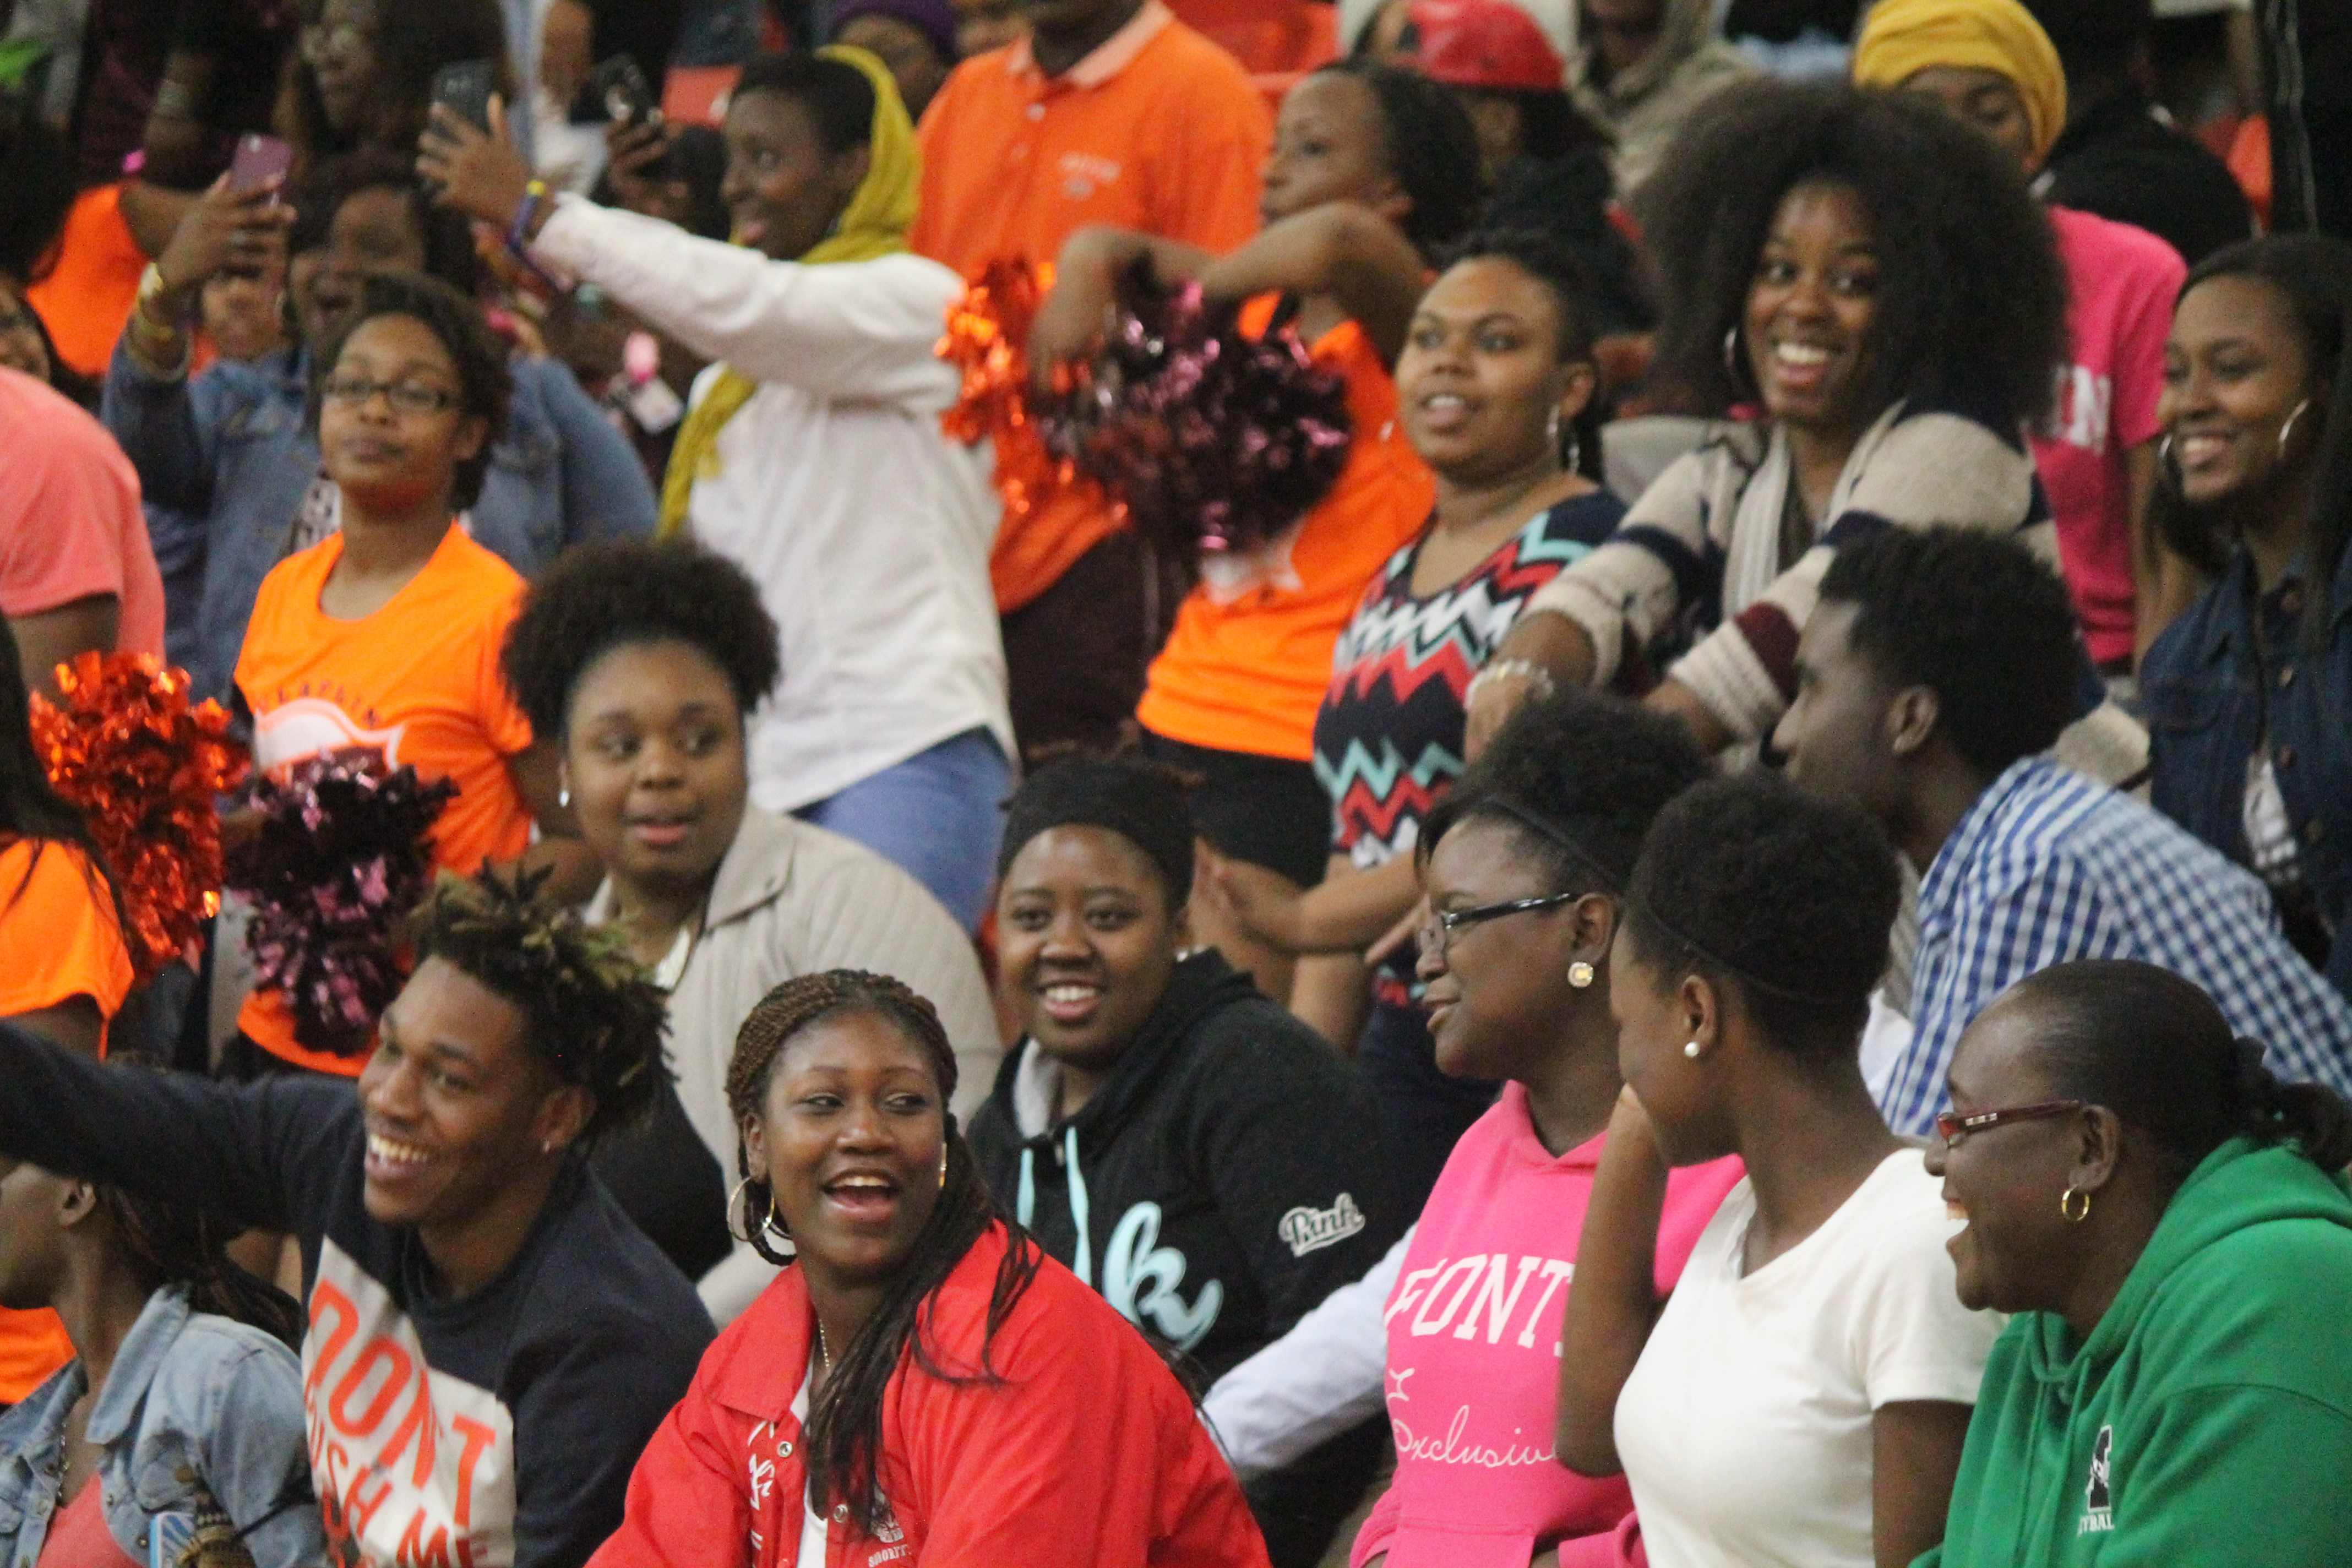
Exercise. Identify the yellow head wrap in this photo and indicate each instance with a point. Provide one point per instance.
(1903, 38)
(874, 224)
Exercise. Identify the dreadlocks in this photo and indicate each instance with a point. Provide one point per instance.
(844, 1428)
(593, 1013)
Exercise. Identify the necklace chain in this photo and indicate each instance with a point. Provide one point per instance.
(824, 1347)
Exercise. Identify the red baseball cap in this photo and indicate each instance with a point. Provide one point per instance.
(1489, 44)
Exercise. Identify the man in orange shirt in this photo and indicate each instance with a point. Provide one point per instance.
(1112, 113)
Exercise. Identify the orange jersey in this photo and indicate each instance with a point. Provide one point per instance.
(1248, 674)
(63, 939)
(419, 681)
(1159, 131)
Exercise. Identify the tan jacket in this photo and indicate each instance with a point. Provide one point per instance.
(794, 899)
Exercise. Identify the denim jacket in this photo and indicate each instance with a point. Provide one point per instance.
(191, 1397)
(2205, 718)
(225, 458)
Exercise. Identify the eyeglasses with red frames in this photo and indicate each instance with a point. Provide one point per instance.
(1952, 1129)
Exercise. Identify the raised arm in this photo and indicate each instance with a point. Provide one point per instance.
(1614, 1302)
(1342, 250)
(262, 1155)
(861, 330)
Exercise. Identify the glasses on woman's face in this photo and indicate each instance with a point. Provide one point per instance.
(409, 399)
(1952, 1128)
(1437, 934)
(321, 42)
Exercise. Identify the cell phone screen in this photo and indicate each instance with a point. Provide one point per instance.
(259, 159)
(622, 91)
(465, 86)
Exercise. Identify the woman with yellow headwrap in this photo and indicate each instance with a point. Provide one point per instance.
(1990, 64)
(812, 454)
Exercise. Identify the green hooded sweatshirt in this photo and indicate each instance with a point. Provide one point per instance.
(2207, 1421)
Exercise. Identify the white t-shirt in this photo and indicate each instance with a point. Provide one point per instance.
(1746, 1428)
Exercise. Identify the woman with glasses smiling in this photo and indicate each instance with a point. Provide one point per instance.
(387, 636)
(2168, 1222)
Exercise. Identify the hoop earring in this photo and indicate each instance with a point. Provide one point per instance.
(943, 1167)
(2164, 451)
(2287, 429)
(1580, 974)
(2066, 1205)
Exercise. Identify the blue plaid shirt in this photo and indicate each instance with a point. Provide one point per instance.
(2049, 867)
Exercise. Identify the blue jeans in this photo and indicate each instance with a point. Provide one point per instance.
(939, 814)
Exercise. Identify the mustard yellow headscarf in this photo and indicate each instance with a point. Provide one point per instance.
(1903, 38)
(875, 224)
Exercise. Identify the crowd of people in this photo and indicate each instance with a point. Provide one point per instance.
(1731, 952)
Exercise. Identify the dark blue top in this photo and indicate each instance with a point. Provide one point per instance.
(2239, 658)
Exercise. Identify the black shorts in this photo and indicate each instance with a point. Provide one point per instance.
(1269, 811)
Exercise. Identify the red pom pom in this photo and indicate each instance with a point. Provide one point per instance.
(145, 767)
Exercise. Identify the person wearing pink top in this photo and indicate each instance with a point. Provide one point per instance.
(1990, 64)
(1524, 865)
(1456, 1331)
(76, 572)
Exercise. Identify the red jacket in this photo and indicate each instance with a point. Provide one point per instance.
(1088, 1452)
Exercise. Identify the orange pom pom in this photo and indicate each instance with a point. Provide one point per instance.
(145, 767)
(987, 340)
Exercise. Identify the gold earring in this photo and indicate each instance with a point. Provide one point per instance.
(1580, 974)
(2066, 1205)
(943, 1167)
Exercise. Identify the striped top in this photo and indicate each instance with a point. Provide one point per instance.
(2048, 867)
(1389, 738)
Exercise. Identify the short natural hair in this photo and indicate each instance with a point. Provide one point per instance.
(592, 1012)
(1977, 618)
(633, 592)
(485, 386)
(1785, 897)
(837, 96)
(1142, 802)
(1580, 777)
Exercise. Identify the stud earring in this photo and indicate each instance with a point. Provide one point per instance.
(1551, 430)
(563, 796)
(1580, 974)
(1692, 1051)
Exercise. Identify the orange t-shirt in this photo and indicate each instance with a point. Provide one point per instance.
(417, 681)
(1248, 675)
(1159, 131)
(87, 298)
(63, 939)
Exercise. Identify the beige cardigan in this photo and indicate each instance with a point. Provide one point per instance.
(793, 900)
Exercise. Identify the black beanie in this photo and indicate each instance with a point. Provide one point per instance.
(1140, 802)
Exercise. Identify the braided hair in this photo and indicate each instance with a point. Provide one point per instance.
(178, 1243)
(2152, 1047)
(844, 1441)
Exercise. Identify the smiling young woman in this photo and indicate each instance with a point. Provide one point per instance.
(920, 1384)
(2168, 1223)
(1864, 286)
(2250, 695)
(645, 660)
(814, 454)
(463, 1263)
(385, 636)
(1186, 1146)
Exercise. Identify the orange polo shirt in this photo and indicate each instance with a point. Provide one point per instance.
(1248, 674)
(64, 939)
(1158, 130)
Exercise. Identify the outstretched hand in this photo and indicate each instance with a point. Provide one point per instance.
(636, 154)
(479, 173)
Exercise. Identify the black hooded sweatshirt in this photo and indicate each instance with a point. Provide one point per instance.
(1226, 1177)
